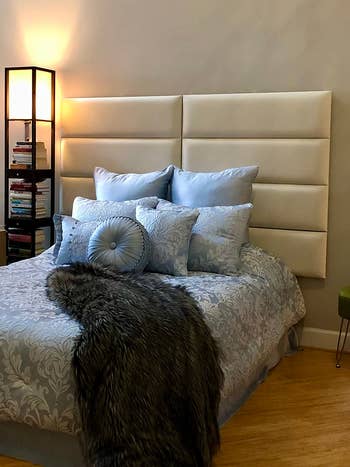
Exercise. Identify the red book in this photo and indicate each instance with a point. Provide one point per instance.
(22, 149)
(21, 185)
(21, 188)
(20, 238)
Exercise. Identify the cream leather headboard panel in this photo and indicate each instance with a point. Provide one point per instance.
(122, 117)
(257, 115)
(122, 134)
(122, 155)
(287, 135)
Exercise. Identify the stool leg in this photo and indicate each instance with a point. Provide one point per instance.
(338, 354)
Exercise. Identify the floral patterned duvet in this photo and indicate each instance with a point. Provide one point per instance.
(248, 313)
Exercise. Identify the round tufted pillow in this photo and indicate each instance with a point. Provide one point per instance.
(121, 242)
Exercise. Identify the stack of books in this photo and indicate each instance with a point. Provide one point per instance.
(20, 242)
(21, 157)
(42, 197)
(39, 241)
(20, 201)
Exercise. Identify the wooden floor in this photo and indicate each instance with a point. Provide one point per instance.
(300, 417)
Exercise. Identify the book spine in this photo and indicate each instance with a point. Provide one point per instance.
(20, 166)
(22, 149)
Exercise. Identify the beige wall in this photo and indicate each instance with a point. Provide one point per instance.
(135, 47)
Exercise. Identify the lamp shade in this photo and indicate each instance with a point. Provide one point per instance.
(20, 94)
(23, 85)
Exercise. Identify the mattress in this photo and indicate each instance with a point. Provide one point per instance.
(248, 313)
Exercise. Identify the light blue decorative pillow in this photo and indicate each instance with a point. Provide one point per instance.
(75, 240)
(86, 210)
(202, 189)
(120, 242)
(121, 187)
(57, 222)
(169, 233)
(217, 237)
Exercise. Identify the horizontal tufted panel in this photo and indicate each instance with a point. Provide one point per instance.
(81, 155)
(304, 252)
(257, 115)
(296, 207)
(122, 117)
(303, 161)
(70, 187)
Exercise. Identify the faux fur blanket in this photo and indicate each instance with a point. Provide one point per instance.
(146, 369)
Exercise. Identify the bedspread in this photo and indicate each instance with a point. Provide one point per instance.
(248, 313)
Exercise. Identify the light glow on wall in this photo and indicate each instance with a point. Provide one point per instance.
(46, 46)
(46, 29)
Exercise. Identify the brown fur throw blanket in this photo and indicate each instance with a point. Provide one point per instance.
(146, 369)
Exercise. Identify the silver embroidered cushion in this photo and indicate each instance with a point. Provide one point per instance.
(86, 210)
(217, 237)
(169, 233)
(120, 242)
(75, 240)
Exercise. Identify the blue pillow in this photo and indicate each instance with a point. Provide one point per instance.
(121, 187)
(75, 240)
(169, 233)
(86, 210)
(203, 189)
(217, 237)
(120, 242)
(57, 222)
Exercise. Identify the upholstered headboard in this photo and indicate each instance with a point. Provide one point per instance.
(287, 134)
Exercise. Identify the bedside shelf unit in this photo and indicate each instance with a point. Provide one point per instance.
(29, 161)
(2, 247)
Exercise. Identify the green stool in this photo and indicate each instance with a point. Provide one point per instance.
(344, 313)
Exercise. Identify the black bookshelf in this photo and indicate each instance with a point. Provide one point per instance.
(31, 225)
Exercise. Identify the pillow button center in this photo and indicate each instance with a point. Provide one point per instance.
(113, 245)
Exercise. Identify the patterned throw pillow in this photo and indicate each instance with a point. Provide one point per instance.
(75, 240)
(169, 233)
(217, 236)
(57, 222)
(86, 210)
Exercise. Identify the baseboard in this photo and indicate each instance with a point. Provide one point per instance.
(321, 339)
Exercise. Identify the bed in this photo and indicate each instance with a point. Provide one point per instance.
(252, 313)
